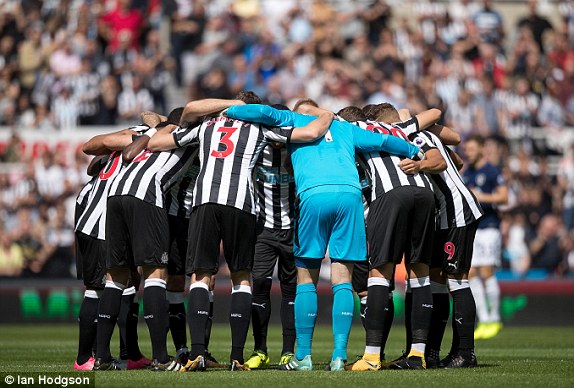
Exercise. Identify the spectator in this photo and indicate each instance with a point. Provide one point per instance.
(537, 24)
(121, 27)
(566, 181)
(489, 24)
(11, 256)
(133, 100)
(547, 246)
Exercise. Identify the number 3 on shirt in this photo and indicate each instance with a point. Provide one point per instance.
(226, 141)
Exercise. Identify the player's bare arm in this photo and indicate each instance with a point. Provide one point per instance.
(458, 162)
(195, 109)
(497, 197)
(162, 140)
(447, 135)
(106, 143)
(428, 117)
(312, 110)
(314, 130)
(433, 163)
(95, 165)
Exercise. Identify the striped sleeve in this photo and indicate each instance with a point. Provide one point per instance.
(408, 126)
(185, 136)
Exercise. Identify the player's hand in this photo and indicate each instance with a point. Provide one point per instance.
(410, 166)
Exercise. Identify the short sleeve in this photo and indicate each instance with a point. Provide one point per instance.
(408, 126)
(278, 134)
(185, 136)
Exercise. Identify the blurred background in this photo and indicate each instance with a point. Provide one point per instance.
(72, 69)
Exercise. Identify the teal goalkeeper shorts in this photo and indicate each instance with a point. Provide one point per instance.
(329, 216)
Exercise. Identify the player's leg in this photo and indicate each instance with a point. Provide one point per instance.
(479, 259)
(202, 262)
(492, 292)
(210, 361)
(128, 325)
(305, 312)
(342, 312)
(238, 237)
(418, 256)
(177, 323)
(91, 267)
(263, 265)
(347, 245)
(457, 263)
(386, 225)
(117, 277)
(150, 225)
(443, 251)
(359, 282)
(310, 237)
(288, 282)
(178, 231)
(108, 311)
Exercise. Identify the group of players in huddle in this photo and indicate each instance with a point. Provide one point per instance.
(275, 186)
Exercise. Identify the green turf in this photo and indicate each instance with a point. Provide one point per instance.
(518, 357)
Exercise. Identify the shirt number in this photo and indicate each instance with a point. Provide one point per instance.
(387, 131)
(105, 175)
(226, 141)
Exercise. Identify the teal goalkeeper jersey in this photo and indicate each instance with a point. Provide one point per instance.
(330, 160)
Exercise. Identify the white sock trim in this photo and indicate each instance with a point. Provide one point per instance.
(115, 285)
(241, 288)
(92, 294)
(174, 297)
(419, 347)
(154, 282)
(210, 296)
(373, 349)
(129, 291)
(377, 281)
(455, 285)
(364, 300)
(419, 282)
(438, 288)
(199, 285)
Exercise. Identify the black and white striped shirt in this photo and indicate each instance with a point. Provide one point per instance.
(151, 174)
(385, 173)
(457, 206)
(180, 198)
(275, 189)
(92, 221)
(228, 151)
(82, 198)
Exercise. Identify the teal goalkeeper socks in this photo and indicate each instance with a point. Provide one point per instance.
(343, 306)
(305, 316)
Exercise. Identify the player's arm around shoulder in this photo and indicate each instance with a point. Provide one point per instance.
(264, 114)
(314, 130)
(107, 143)
(367, 141)
(432, 163)
(194, 110)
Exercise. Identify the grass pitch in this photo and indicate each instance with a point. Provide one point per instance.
(518, 357)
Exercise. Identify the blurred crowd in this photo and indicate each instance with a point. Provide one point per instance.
(101, 62)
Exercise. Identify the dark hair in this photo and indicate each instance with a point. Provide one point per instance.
(352, 113)
(174, 116)
(280, 107)
(388, 113)
(477, 138)
(248, 97)
(305, 101)
(371, 111)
